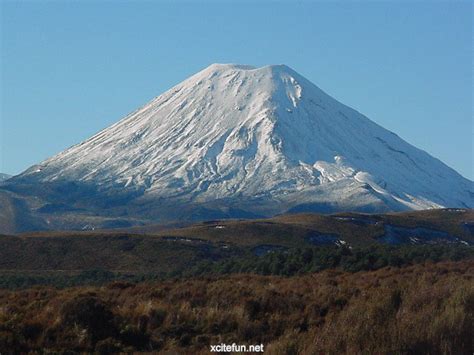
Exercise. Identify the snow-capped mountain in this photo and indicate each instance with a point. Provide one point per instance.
(264, 139)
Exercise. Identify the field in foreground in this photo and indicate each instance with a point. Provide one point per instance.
(424, 308)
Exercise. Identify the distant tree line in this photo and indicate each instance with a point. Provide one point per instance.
(290, 262)
(307, 260)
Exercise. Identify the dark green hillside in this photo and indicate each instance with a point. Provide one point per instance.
(284, 245)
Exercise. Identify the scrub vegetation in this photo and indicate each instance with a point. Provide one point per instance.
(423, 308)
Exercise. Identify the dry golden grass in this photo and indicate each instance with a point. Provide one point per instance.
(425, 309)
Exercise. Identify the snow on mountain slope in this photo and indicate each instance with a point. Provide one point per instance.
(239, 132)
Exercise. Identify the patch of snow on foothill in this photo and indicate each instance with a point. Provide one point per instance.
(4, 177)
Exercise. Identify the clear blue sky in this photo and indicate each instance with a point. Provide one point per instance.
(70, 69)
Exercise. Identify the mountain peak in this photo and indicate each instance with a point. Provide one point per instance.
(221, 67)
(225, 66)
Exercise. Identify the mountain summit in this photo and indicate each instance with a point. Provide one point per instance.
(261, 140)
